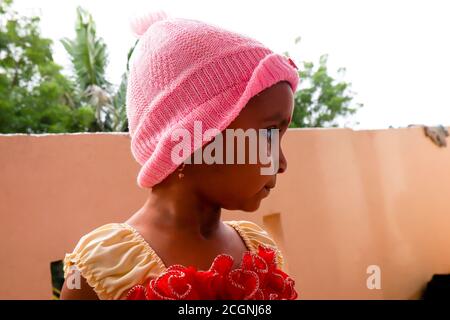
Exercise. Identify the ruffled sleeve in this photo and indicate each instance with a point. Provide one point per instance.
(253, 236)
(112, 259)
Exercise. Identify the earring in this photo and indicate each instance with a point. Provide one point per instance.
(180, 173)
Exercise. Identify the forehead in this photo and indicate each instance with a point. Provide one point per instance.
(272, 104)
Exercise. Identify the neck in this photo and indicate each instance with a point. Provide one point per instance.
(179, 208)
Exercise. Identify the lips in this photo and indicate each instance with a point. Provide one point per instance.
(270, 185)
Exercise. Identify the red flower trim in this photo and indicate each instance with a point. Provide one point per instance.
(257, 278)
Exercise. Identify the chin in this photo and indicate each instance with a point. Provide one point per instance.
(247, 205)
(251, 206)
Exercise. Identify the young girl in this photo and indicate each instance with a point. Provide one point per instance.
(185, 73)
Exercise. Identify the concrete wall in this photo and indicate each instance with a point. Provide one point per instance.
(349, 199)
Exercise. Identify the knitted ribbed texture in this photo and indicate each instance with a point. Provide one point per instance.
(183, 71)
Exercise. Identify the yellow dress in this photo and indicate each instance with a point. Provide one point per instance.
(115, 257)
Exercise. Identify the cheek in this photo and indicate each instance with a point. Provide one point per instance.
(231, 182)
(243, 181)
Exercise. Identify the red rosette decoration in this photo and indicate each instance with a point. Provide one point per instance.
(257, 278)
(138, 292)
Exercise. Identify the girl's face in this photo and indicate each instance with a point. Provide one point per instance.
(238, 186)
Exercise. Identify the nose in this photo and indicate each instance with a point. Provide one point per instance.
(283, 162)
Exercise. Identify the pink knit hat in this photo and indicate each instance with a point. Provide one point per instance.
(183, 71)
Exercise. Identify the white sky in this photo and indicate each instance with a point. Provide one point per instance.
(397, 53)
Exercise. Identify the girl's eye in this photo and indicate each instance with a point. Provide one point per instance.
(269, 134)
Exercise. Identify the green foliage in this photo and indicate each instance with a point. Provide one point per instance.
(34, 95)
(321, 100)
(88, 52)
(116, 115)
(89, 58)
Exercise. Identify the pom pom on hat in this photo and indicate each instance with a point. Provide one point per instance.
(139, 24)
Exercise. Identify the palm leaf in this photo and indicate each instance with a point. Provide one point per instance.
(87, 52)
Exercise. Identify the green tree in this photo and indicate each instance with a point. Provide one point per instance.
(89, 57)
(322, 100)
(116, 115)
(34, 95)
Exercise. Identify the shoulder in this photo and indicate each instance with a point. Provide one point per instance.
(112, 258)
(254, 236)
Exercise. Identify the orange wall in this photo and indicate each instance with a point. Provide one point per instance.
(349, 199)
